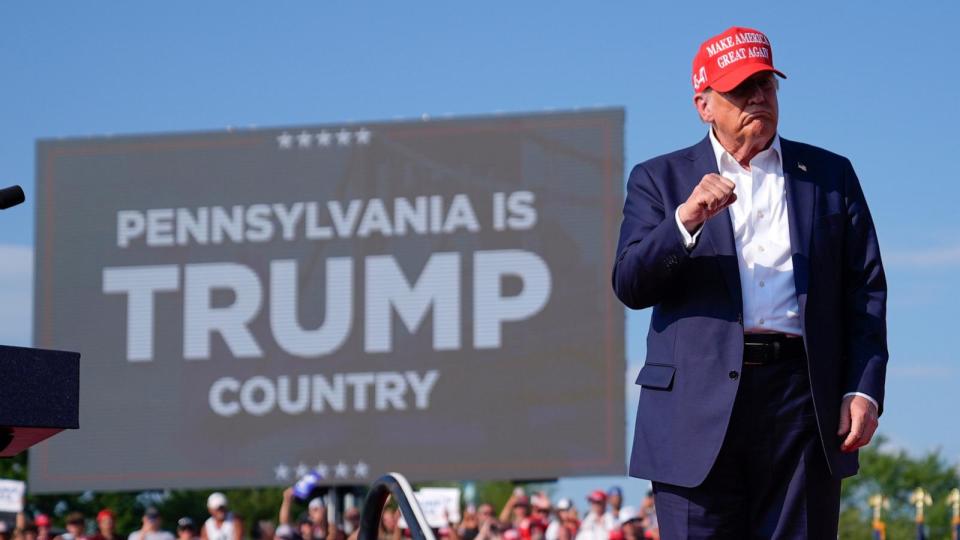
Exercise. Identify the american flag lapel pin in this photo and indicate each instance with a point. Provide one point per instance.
(801, 166)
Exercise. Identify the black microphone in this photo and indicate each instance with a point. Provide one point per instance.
(11, 196)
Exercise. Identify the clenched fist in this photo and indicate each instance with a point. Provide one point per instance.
(709, 198)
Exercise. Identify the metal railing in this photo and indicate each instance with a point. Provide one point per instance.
(385, 486)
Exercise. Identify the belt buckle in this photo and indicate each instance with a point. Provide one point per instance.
(763, 347)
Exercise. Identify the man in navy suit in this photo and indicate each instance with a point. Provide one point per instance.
(766, 354)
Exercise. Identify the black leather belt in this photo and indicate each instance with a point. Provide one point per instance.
(762, 349)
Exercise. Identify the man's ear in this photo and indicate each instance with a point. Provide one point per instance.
(702, 103)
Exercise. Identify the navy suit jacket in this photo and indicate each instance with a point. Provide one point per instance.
(695, 341)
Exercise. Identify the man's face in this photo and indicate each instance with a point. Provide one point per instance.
(106, 524)
(151, 522)
(749, 112)
(615, 500)
(485, 512)
(318, 513)
(352, 516)
(218, 513)
(76, 529)
(389, 519)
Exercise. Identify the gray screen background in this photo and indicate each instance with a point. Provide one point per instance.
(549, 402)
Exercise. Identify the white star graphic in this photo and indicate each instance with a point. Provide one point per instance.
(285, 140)
(302, 470)
(282, 472)
(361, 470)
(323, 469)
(324, 138)
(343, 470)
(343, 137)
(363, 136)
(304, 139)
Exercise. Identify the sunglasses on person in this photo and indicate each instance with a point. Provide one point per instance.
(747, 88)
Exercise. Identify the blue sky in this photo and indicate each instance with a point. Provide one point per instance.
(875, 81)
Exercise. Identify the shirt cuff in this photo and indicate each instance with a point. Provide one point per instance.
(861, 394)
(689, 241)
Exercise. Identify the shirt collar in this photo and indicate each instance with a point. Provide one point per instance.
(719, 151)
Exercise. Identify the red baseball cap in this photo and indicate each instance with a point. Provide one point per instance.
(726, 60)
(597, 496)
(41, 520)
(106, 513)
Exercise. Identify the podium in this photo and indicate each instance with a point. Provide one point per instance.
(39, 396)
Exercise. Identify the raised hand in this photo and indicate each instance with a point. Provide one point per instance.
(709, 198)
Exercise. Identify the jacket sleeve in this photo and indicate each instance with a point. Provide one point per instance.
(650, 251)
(865, 297)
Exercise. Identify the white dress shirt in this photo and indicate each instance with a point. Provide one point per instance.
(761, 231)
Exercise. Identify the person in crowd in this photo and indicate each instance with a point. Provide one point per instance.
(286, 532)
(569, 518)
(490, 528)
(648, 514)
(617, 513)
(632, 528)
(390, 525)
(595, 525)
(351, 522)
(186, 529)
(540, 508)
(516, 511)
(469, 525)
(485, 513)
(76, 526)
(42, 521)
(150, 528)
(315, 526)
(323, 527)
(5, 530)
(305, 528)
(106, 526)
(264, 530)
(553, 520)
(222, 524)
(30, 532)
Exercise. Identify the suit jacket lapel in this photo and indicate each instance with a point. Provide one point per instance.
(718, 231)
(801, 197)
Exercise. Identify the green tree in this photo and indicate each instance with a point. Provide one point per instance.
(896, 474)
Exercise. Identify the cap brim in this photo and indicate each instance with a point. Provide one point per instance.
(732, 79)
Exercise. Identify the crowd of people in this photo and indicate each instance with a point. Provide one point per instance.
(537, 518)
(523, 517)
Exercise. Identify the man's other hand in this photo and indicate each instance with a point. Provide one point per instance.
(858, 422)
(709, 198)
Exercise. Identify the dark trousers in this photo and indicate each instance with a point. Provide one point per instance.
(770, 479)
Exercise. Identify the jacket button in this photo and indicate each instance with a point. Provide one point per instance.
(734, 375)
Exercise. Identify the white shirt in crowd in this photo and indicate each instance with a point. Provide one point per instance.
(156, 535)
(624, 514)
(595, 527)
(225, 531)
